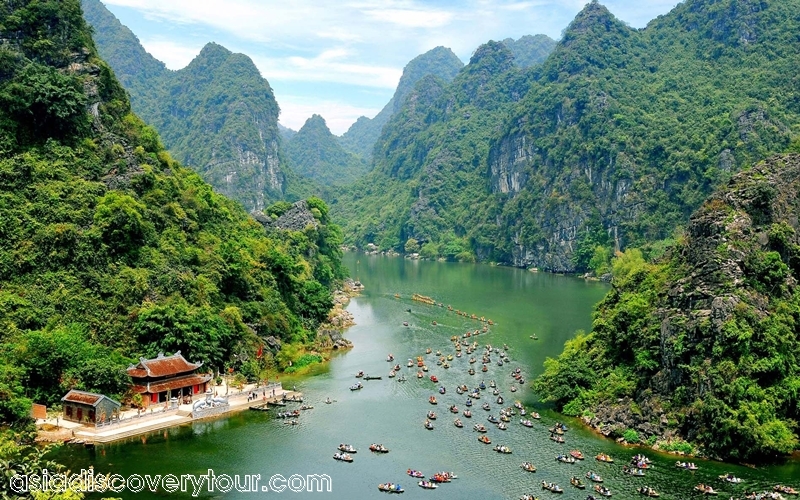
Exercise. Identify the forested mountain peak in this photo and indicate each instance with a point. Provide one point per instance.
(530, 50)
(440, 61)
(217, 115)
(315, 153)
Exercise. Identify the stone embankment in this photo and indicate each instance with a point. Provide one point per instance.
(329, 335)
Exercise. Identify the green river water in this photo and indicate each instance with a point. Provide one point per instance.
(520, 303)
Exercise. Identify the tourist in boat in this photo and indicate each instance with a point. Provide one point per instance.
(467, 413)
(485, 406)
(432, 415)
(429, 425)
(594, 477)
(360, 374)
(442, 390)
(432, 400)
(527, 466)
(574, 481)
(415, 473)
(328, 401)
(347, 448)
(458, 423)
(602, 490)
(428, 485)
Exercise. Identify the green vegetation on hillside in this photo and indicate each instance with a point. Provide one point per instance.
(611, 142)
(703, 342)
(111, 250)
(530, 50)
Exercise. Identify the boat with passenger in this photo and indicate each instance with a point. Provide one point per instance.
(432, 400)
(357, 386)
(557, 438)
(632, 471)
(565, 459)
(479, 428)
(602, 490)
(467, 413)
(595, 478)
(415, 473)
(431, 415)
(731, 478)
(501, 448)
(486, 406)
(458, 423)
(602, 457)
(428, 485)
(574, 481)
(786, 490)
(342, 457)
(648, 492)
(685, 465)
(526, 423)
(552, 487)
(390, 488)
(527, 466)
(705, 489)
(429, 425)
(576, 454)
(483, 438)
(378, 448)
(347, 448)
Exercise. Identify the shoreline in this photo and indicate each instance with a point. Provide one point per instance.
(329, 338)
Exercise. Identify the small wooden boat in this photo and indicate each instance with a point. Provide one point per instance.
(552, 487)
(428, 485)
(576, 454)
(591, 476)
(454, 409)
(602, 490)
(556, 430)
(432, 400)
(730, 478)
(527, 466)
(390, 488)
(420, 375)
(484, 368)
(602, 457)
(564, 459)
(415, 473)
(471, 371)
(434, 378)
(347, 448)
(360, 374)
(705, 489)
(424, 368)
(557, 439)
(499, 400)
(483, 438)
(392, 374)
(458, 423)
(428, 350)
(526, 423)
(405, 323)
(378, 448)
(786, 490)
(479, 428)
(486, 406)
(467, 413)
(535, 415)
(574, 481)
(432, 415)
(390, 358)
(342, 457)
(402, 378)
(502, 449)
(369, 377)
(429, 425)
(685, 465)
(410, 363)
(502, 426)
(513, 388)
(633, 471)
(356, 387)
(493, 419)
(648, 492)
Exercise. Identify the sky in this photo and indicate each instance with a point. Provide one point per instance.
(343, 58)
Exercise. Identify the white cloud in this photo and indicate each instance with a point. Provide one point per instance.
(412, 18)
(295, 110)
(328, 66)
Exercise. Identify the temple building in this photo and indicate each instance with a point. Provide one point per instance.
(88, 407)
(165, 377)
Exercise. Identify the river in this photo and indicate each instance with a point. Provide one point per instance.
(386, 411)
